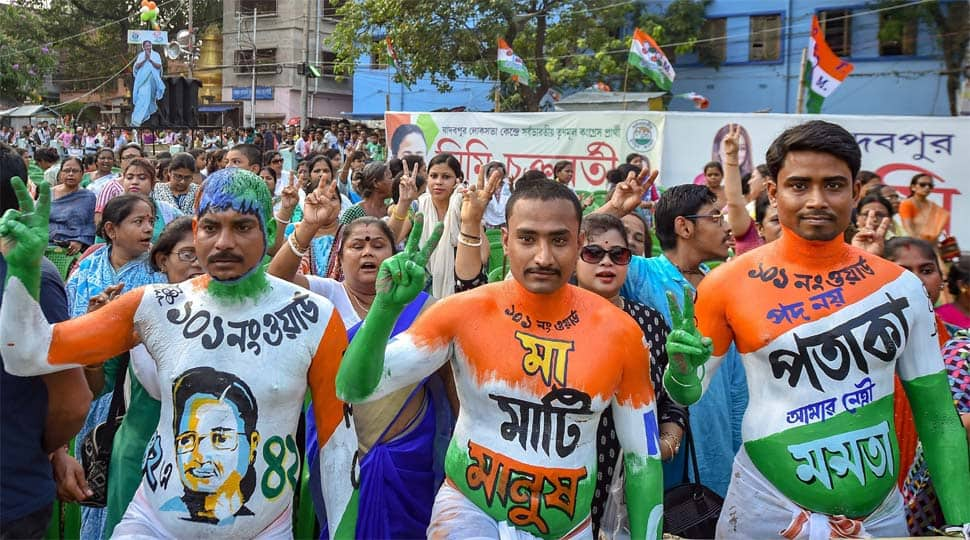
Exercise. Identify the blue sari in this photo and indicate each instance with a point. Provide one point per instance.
(95, 273)
(399, 478)
(148, 87)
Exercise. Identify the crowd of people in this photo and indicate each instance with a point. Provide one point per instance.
(206, 324)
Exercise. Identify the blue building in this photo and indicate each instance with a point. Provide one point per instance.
(761, 42)
(758, 44)
(371, 83)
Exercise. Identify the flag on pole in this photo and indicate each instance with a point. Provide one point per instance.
(511, 64)
(824, 71)
(392, 54)
(700, 101)
(646, 56)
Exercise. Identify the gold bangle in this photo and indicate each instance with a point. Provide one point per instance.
(397, 217)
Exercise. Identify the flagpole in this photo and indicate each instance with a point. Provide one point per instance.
(800, 100)
(498, 92)
(626, 74)
(387, 95)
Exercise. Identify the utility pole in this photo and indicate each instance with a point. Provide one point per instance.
(316, 58)
(800, 100)
(252, 96)
(191, 40)
(305, 83)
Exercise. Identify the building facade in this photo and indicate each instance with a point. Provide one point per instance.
(375, 91)
(283, 40)
(759, 44)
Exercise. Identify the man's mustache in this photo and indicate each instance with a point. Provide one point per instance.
(224, 257)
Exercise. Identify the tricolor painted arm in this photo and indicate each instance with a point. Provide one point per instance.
(400, 280)
(32, 346)
(322, 375)
(940, 430)
(688, 351)
(635, 417)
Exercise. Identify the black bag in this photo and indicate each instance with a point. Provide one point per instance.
(691, 510)
(96, 447)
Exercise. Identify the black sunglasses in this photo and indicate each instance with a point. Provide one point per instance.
(924, 184)
(593, 254)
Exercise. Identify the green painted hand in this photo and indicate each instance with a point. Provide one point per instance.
(24, 234)
(401, 278)
(687, 351)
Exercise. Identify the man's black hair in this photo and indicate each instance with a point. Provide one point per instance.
(11, 164)
(815, 136)
(682, 200)
(252, 152)
(543, 190)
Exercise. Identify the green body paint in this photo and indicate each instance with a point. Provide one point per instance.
(944, 443)
(847, 496)
(250, 286)
(363, 363)
(498, 505)
(644, 478)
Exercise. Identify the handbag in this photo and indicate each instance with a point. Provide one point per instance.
(97, 444)
(691, 510)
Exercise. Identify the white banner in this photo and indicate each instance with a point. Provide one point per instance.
(894, 147)
(593, 143)
(679, 144)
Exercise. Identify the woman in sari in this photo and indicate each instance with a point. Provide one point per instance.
(115, 268)
(139, 177)
(72, 209)
(399, 440)
(148, 87)
(921, 217)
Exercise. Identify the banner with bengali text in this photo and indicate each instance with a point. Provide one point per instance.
(593, 142)
(894, 147)
(679, 144)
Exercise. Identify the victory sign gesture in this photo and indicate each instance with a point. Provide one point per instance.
(399, 281)
(687, 350)
(322, 206)
(24, 234)
(401, 277)
(475, 199)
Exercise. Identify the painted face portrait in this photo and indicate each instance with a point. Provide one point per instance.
(215, 443)
(212, 449)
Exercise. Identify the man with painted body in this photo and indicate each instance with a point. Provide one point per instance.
(536, 361)
(821, 330)
(235, 352)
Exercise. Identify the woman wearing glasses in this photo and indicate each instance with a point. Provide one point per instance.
(180, 190)
(921, 217)
(72, 209)
(602, 267)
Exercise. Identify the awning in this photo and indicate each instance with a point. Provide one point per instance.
(217, 108)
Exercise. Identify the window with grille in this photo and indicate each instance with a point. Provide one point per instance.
(764, 39)
(897, 35)
(265, 61)
(712, 46)
(262, 7)
(837, 27)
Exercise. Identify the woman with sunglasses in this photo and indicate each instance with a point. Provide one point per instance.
(602, 267)
(921, 217)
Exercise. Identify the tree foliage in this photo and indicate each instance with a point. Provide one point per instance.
(89, 37)
(950, 22)
(564, 43)
(25, 57)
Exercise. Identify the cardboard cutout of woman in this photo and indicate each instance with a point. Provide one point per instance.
(148, 87)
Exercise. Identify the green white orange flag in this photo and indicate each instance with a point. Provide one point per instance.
(647, 56)
(392, 55)
(824, 71)
(511, 64)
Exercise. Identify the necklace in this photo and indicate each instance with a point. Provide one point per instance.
(690, 271)
(359, 306)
